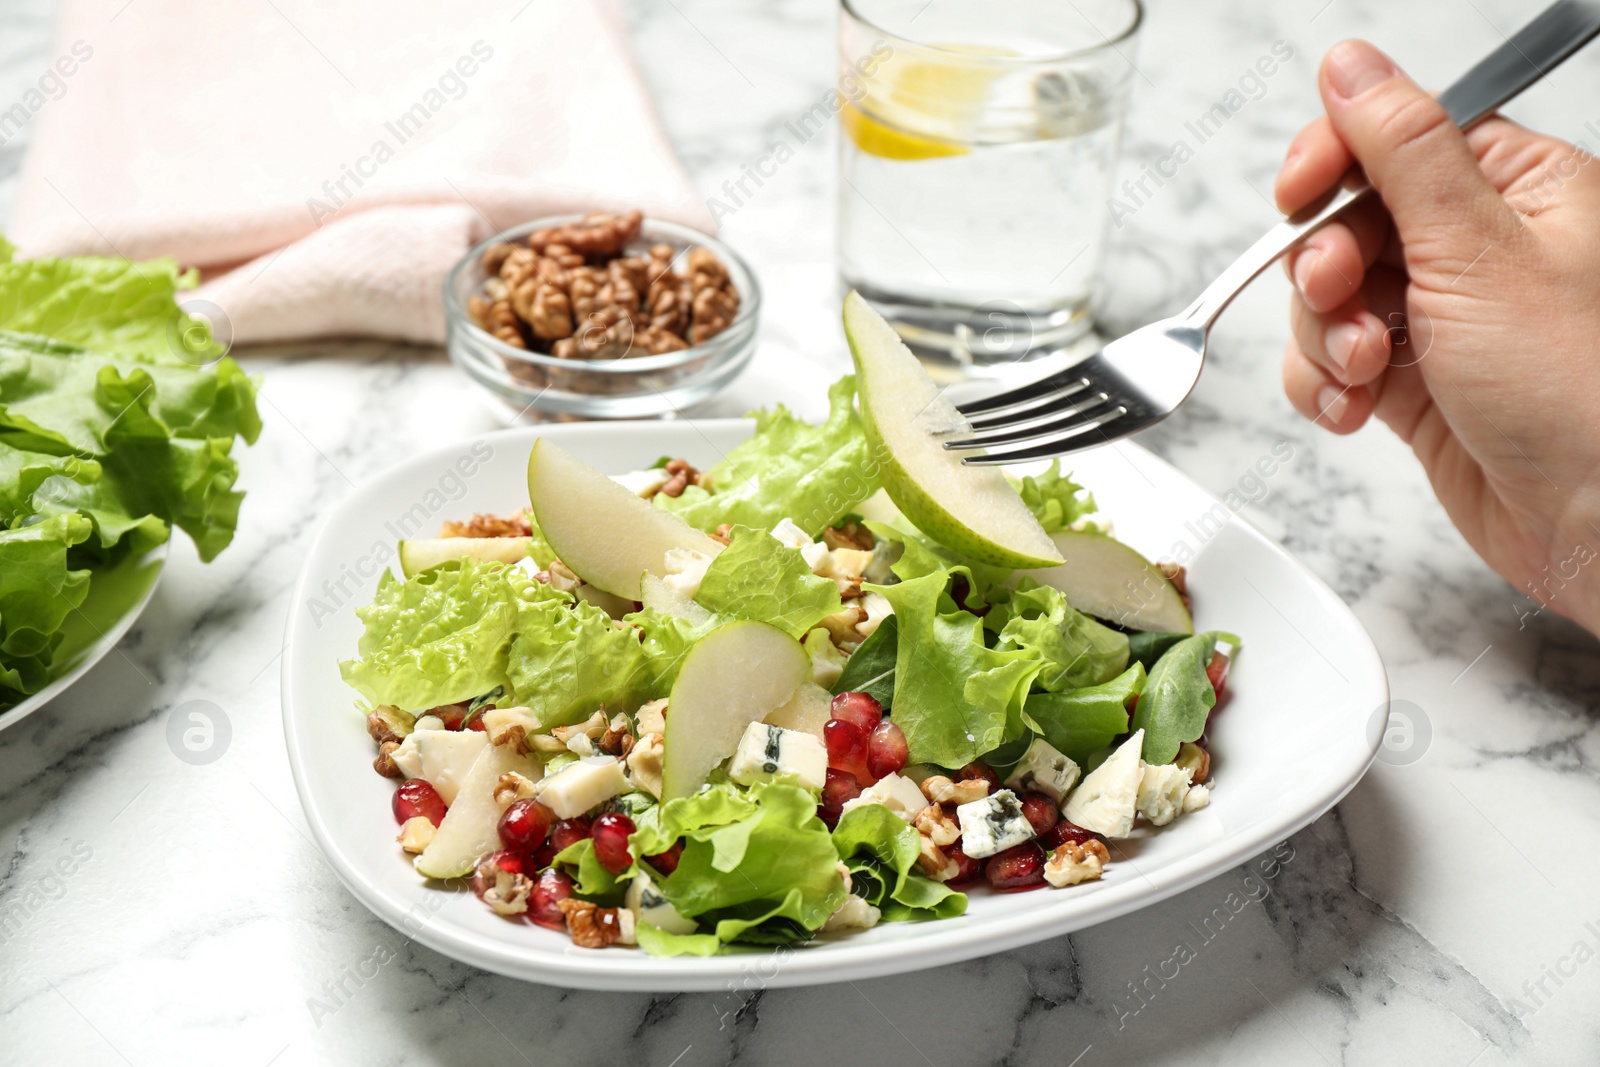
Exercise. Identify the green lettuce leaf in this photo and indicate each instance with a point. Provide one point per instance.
(756, 866)
(758, 577)
(870, 668)
(590, 879)
(1178, 697)
(38, 588)
(665, 640)
(441, 636)
(1055, 499)
(1079, 722)
(109, 304)
(881, 850)
(657, 942)
(954, 698)
(1076, 650)
(787, 469)
(23, 474)
(163, 436)
(569, 658)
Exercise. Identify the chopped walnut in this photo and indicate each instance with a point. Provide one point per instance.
(680, 476)
(596, 236)
(415, 833)
(562, 578)
(724, 534)
(489, 526)
(511, 786)
(388, 723)
(851, 535)
(618, 740)
(644, 763)
(934, 824)
(507, 893)
(942, 790)
(841, 625)
(934, 863)
(1195, 760)
(592, 728)
(385, 764)
(651, 718)
(511, 726)
(1072, 863)
(592, 926)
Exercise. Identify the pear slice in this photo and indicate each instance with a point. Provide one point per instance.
(657, 595)
(973, 510)
(736, 675)
(807, 711)
(1105, 578)
(604, 533)
(423, 554)
(470, 829)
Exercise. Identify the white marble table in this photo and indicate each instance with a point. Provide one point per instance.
(1436, 916)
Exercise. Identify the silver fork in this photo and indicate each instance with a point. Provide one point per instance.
(1138, 380)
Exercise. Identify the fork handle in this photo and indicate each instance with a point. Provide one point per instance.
(1530, 54)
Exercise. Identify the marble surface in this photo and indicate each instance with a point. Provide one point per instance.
(1442, 914)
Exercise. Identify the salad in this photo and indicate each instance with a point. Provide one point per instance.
(118, 414)
(835, 680)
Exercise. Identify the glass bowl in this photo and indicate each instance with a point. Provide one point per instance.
(529, 386)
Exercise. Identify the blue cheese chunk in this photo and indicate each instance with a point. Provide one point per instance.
(790, 534)
(993, 824)
(1163, 788)
(767, 752)
(581, 784)
(648, 905)
(896, 792)
(1108, 797)
(1044, 770)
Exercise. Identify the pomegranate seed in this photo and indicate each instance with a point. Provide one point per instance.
(524, 825)
(1018, 867)
(859, 709)
(667, 862)
(416, 797)
(484, 875)
(1041, 811)
(840, 787)
(544, 903)
(1217, 673)
(847, 748)
(453, 715)
(979, 769)
(569, 832)
(611, 833)
(968, 869)
(542, 857)
(886, 750)
(1064, 831)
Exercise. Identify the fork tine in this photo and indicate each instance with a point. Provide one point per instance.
(1082, 413)
(1040, 407)
(1112, 429)
(1025, 394)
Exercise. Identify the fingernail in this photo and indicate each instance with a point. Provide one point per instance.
(1302, 270)
(1355, 66)
(1340, 341)
(1331, 403)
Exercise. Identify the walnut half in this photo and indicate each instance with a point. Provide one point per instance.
(592, 926)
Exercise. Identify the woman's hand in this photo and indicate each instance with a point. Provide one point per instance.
(1463, 311)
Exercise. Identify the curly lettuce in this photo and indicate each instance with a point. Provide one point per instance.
(758, 577)
(1055, 499)
(788, 468)
(1076, 650)
(880, 850)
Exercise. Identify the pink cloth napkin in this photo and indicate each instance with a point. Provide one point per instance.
(325, 164)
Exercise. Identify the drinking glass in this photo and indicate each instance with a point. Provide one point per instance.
(977, 148)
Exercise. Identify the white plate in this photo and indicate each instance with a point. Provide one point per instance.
(117, 597)
(1300, 728)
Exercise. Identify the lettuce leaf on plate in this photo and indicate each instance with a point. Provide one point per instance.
(440, 637)
(1079, 722)
(787, 469)
(954, 697)
(1055, 499)
(758, 577)
(1077, 651)
(757, 866)
(38, 589)
(1178, 698)
(880, 849)
(568, 658)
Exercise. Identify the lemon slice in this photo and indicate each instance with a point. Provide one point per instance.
(915, 108)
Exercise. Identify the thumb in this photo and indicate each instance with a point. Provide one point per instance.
(1414, 156)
